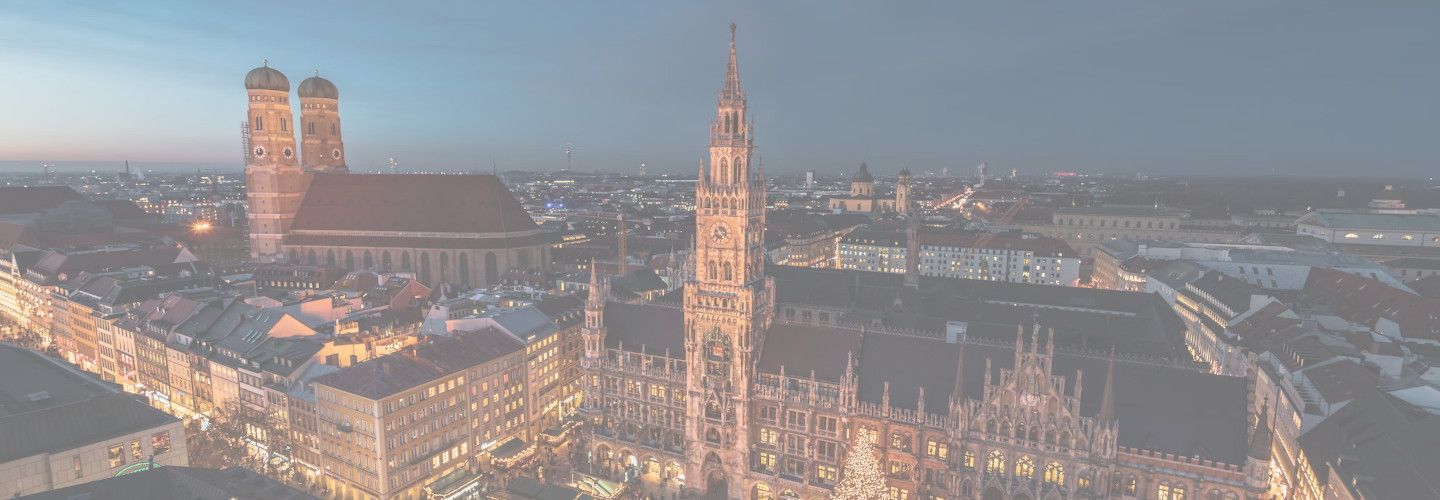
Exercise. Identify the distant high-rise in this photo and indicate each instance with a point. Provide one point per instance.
(810, 179)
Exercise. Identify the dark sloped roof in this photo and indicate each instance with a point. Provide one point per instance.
(179, 483)
(1389, 442)
(411, 203)
(801, 349)
(436, 357)
(80, 409)
(656, 327)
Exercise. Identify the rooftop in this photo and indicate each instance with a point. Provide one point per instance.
(414, 203)
(1373, 220)
(47, 407)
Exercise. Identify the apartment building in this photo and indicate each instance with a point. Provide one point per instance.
(388, 426)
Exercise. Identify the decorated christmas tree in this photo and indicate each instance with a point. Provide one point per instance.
(863, 479)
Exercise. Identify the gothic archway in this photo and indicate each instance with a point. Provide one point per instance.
(993, 493)
(716, 484)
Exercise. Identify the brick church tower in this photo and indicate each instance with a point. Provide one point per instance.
(275, 184)
(320, 126)
(729, 302)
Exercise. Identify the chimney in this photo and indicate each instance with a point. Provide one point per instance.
(955, 330)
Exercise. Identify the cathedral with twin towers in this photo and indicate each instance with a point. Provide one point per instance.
(306, 208)
(756, 382)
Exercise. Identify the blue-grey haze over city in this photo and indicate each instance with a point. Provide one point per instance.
(1285, 88)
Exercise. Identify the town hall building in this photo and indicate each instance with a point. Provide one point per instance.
(756, 383)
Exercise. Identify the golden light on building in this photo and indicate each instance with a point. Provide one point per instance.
(201, 226)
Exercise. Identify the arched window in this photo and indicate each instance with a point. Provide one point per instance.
(259, 123)
(294, 256)
(728, 272)
(285, 125)
(310, 257)
(724, 171)
(1055, 473)
(463, 263)
(967, 460)
(405, 260)
(330, 258)
(368, 260)
(310, 128)
(349, 260)
(425, 269)
(736, 167)
(712, 271)
(333, 130)
(491, 268)
(995, 462)
(1025, 467)
(385, 262)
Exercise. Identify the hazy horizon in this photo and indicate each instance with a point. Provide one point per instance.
(1219, 89)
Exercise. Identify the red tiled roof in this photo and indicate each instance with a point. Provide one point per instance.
(412, 242)
(411, 203)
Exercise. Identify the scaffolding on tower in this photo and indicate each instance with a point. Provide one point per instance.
(245, 141)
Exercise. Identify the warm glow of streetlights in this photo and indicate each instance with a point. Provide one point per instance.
(201, 226)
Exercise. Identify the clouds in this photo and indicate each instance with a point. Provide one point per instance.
(1224, 87)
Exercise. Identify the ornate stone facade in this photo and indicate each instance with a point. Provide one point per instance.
(715, 394)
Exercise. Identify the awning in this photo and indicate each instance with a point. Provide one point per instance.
(512, 452)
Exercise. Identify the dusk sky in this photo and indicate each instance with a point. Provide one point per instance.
(1244, 87)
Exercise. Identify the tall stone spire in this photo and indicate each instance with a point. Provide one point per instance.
(596, 300)
(732, 89)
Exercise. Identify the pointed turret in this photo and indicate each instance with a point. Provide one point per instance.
(594, 331)
(957, 392)
(1260, 440)
(596, 300)
(732, 89)
(1107, 400)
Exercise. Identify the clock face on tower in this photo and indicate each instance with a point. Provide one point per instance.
(259, 151)
(289, 153)
(335, 153)
(720, 234)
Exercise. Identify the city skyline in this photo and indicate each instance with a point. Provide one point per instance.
(1156, 89)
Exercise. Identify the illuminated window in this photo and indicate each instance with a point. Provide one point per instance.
(769, 436)
(968, 460)
(117, 455)
(1166, 491)
(1055, 473)
(1378, 236)
(1025, 467)
(995, 462)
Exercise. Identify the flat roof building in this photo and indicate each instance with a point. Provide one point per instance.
(61, 427)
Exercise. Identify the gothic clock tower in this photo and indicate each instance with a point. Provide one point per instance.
(729, 302)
